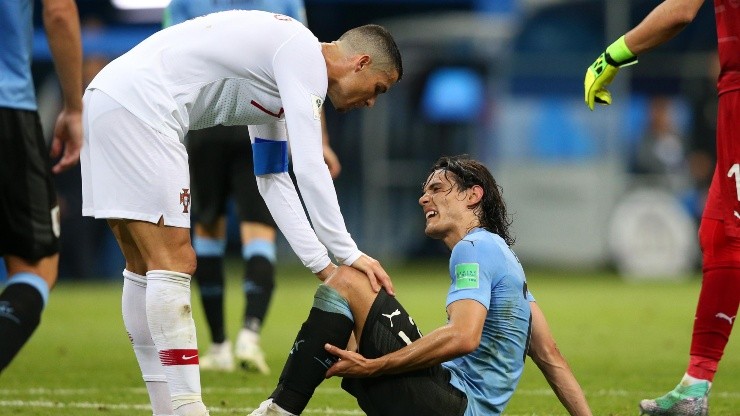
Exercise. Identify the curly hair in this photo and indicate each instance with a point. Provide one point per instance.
(491, 210)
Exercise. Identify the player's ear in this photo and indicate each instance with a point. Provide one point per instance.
(475, 195)
(362, 62)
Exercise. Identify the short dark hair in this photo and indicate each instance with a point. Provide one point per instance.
(491, 210)
(376, 41)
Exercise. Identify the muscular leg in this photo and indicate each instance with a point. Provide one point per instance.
(133, 307)
(718, 299)
(715, 315)
(355, 288)
(340, 305)
(28, 238)
(169, 261)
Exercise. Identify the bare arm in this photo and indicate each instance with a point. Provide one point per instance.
(459, 337)
(662, 24)
(62, 25)
(545, 354)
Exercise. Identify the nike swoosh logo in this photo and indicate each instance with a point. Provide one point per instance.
(189, 357)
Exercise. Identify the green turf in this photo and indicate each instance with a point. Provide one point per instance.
(624, 341)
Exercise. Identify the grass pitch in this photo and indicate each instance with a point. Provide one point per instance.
(624, 341)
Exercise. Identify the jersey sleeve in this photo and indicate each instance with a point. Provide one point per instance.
(300, 73)
(269, 150)
(471, 274)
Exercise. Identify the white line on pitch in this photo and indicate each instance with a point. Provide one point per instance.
(118, 406)
(42, 391)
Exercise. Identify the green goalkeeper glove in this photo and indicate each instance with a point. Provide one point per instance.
(602, 72)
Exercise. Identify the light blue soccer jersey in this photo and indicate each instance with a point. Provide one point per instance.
(16, 41)
(182, 10)
(483, 268)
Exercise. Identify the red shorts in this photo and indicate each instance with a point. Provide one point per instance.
(723, 201)
(718, 250)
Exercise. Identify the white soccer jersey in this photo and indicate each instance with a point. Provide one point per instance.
(245, 68)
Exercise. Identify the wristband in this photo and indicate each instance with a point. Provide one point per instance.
(618, 54)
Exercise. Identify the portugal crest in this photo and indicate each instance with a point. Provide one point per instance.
(185, 200)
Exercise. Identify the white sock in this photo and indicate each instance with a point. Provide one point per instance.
(249, 335)
(133, 307)
(170, 317)
(688, 380)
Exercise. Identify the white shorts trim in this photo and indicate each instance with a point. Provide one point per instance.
(130, 170)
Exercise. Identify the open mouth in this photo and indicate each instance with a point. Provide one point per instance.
(431, 214)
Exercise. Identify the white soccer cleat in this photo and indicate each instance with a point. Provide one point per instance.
(249, 353)
(268, 408)
(218, 358)
(691, 400)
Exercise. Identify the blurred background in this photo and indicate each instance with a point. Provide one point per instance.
(620, 188)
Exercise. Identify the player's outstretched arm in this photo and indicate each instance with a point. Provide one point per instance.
(375, 272)
(62, 25)
(662, 24)
(460, 336)
(545, 354)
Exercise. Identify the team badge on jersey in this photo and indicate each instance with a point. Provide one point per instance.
(185, 200)
(316, 103)
(466, 275)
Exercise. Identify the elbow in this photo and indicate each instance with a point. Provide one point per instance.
(684, 16)
(684, 20)
(466, 344)
(59, 13)
(545, 353)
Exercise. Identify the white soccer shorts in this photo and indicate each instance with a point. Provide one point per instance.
(130, 170)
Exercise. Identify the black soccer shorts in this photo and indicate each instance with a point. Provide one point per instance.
(425, 392)
(29, 214)
(221, 165)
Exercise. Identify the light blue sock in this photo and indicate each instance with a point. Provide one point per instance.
(329, 300)
(32, 280)
(259, 247)
(209, 247)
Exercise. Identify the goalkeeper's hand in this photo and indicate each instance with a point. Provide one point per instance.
(601, 73)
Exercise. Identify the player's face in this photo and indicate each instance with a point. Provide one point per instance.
(445, 207)
(361, 88)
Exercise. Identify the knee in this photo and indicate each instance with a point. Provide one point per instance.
(718, 249)
(348, 280)
(340, 277)
(182, 260)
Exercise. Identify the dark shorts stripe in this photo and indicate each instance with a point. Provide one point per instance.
(27, 196)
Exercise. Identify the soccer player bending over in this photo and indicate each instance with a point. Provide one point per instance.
(252, 68)
(471, 365)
